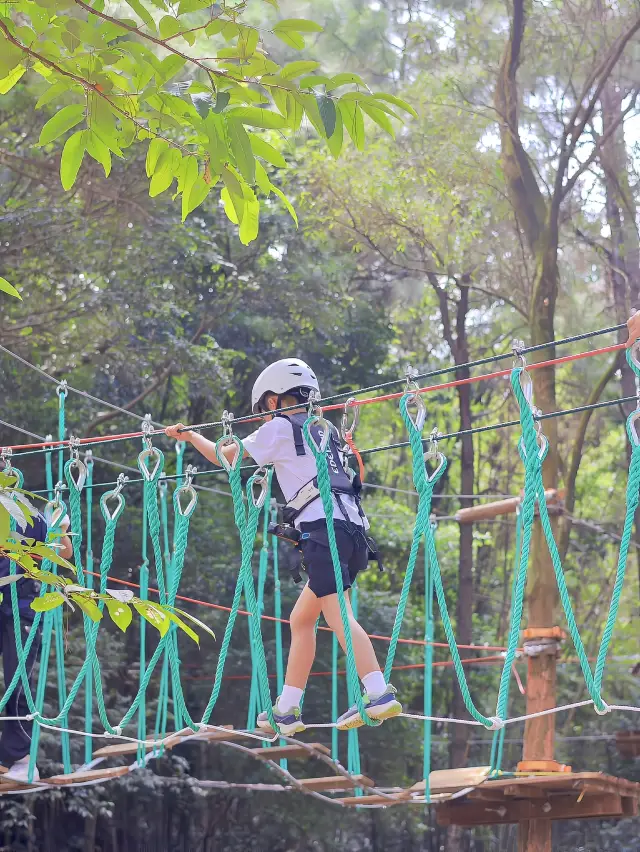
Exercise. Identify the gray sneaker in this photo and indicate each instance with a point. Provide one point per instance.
(380, 707)
(289, 723)
(20, 771)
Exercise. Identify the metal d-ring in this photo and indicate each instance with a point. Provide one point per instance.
(433, 453)
(114, 495)
(188, 489)
(413, 398)
(150, 453)
(319, 421)
(227, 441)
(349, 404)
(261, 479)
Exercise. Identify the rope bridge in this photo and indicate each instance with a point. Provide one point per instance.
(252, 504)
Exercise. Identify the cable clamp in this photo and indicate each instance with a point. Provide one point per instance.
(497, 724)
(5, 457)
(147, 430)
(62, 389)
(517, 347)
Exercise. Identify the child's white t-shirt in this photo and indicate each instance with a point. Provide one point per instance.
(273, 444)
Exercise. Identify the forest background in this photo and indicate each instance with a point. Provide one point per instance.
(506, 209)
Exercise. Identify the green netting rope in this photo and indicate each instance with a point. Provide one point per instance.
(324, 486)
(533, 457)
(428, 671)
(262, 577)
(88, 687)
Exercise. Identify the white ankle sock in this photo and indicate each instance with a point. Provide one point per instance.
(374, 683)
(291, 697)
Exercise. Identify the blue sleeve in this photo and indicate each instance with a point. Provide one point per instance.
(38, 530)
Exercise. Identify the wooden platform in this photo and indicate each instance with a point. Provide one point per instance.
(582, 795)
(291, 752)
(335, 782)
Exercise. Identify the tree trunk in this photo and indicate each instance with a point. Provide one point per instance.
(624, 257)
(464, 608)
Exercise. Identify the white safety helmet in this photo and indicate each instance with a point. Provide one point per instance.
(281, 377)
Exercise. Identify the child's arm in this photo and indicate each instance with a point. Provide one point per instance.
(203, 445)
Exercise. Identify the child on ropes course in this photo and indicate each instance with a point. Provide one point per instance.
(15, 742)
(280, 442)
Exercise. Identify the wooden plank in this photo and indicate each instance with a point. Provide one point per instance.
(468, 813)
(132, 748)
(87, 775)
(398, 799)
(453, 780)
(630, 806)
(569, 781)
(525, 792)
(335, 782)
(550, 766)
(291, 752)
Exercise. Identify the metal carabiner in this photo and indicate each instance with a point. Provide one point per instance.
(5, 457)
(188, 489)
(410, 376)
(227, 420)
(62, 389)
(226, 441)
(434, 453)
(147, 429)
(114, 495)
(319, 420)
(517, 347)
(313, 409)
(344, 431)
(261, 479)
(421, 414)
(76, 464)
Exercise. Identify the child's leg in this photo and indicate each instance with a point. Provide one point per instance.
(365, 656)
(303, 638)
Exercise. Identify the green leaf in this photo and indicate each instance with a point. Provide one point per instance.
(262, 178)
(156, 148)
(314, 80)
(7, 83)
(169, 67)
(168, 27)
(143, 13)
(119, 612)
(299, 25)
(263, 149)
(63, 120)
(291, 39)
(380, 118)
(241, 149)
(87, 605)
(335, 141)
(222, 100)
(257, 117)
(286, 203)
(353, 121)
(249, 225)
(71, 160)
(345, 79)
(313, 113)
(392, 99)
(50, 600)
(99, 151)
(195, 197)
(192, 618)
(247, 41)
(154, 615)
(295, 69)
(215, 27)
(54, 92)
(232, 196)
(217, 146)
(184, 627)
(327, 110)
(10, 55)
(5, 287)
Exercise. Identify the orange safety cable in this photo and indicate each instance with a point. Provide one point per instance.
(285, 621)
(340, 406)
(348, 436)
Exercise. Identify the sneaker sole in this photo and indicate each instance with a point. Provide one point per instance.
(287, 730)
(387, 711)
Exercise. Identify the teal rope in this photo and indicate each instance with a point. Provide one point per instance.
(497, 742)
(144, 595)
(277, 611)
(88, 689)
(353, 742)
(533, 459)
(334, 695)
(324, 486)
(424, 486)
(262, 577)
(428, 673)
(62, 396)
(632, 498)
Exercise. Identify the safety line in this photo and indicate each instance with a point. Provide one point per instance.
(86, 395)
(286, 621)
(368, 401)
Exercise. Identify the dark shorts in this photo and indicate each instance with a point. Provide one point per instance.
(316, 555)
